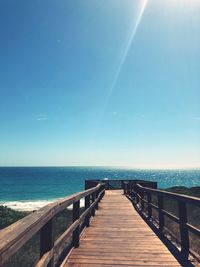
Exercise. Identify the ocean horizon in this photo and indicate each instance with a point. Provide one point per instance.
(30, 188)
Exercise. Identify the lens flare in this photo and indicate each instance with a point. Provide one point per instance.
(141, 8)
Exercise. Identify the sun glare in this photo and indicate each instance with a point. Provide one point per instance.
(137, 19)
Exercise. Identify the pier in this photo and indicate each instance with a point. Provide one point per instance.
(124, 223)
(118, 236)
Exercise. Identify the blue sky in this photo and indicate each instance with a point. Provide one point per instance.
(108, 83)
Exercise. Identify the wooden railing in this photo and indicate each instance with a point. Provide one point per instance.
(116, 184)
(16, 235)
(144, 199)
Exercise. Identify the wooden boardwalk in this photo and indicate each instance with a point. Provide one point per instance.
(118, 236)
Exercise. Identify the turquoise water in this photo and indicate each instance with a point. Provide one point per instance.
(31, 184)
(52, 182)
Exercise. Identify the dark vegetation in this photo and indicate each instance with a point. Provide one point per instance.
(193, 212)
(193, 191)
(29, 253)
(9, 216)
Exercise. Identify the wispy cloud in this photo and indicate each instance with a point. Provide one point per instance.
(42, 117)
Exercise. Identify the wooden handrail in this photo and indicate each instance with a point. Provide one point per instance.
(47, 256)
(16, 235)
(188, 199)
(118, 183)
(137, 193)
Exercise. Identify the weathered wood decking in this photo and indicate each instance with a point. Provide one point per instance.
(118, 236)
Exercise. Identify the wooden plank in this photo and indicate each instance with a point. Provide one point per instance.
(119, 237)
(118, 265)
(123, 257)
(122, 261)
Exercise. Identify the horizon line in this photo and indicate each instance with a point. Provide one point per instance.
(106, 166)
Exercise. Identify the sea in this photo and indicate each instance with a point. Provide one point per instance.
(30, 188)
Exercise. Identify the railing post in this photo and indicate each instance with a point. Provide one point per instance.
(142, 202)
(103, 189)
(93, 199)
(129, 189)
(125, 188)
(76, 215)
(160, 213)
(100, 192)
(183, 229)
(96, 196)
(87, 205)
(133, 192)
(137, 194)
(149, 205)
(47, 236)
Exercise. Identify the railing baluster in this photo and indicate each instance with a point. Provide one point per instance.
(76, 215)
(142, 202)
(102, 188)
(160, 213)
(96, 196)
(149, 205)
(125, 188)
(129, 189)
(183, 229)
(87, 205)
(47, 235)
(131, 192)
(93, 199)
(136, 194)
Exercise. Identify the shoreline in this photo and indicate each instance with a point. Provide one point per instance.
(31, 205)
(36, 204)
